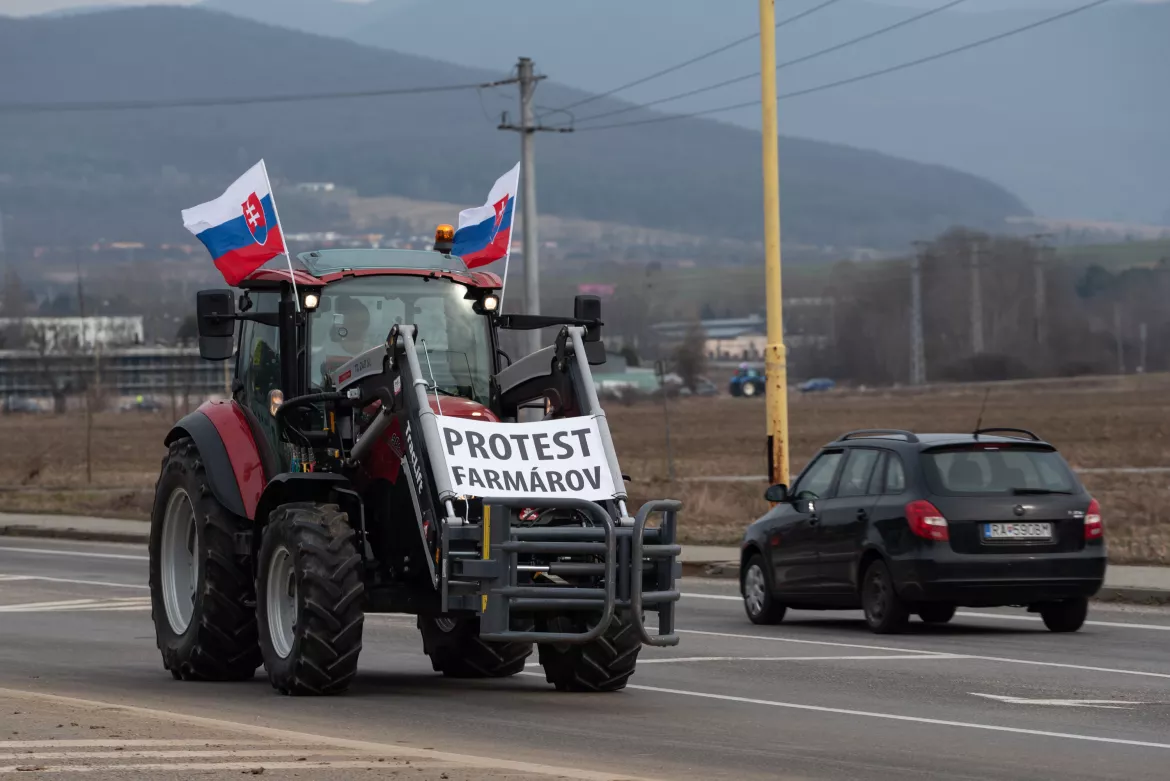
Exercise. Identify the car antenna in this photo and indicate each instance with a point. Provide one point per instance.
(982, 407)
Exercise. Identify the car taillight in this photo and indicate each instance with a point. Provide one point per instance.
(926, 521)
(1094, 530)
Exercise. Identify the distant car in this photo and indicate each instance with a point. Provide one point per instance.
(19, 404)
(816, 384)
(141, 405)
(747, 381)
(898, 523)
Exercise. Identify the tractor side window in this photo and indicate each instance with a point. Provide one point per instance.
(260, 365)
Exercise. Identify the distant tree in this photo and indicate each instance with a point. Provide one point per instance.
(690, 357)
(630, 353)
(188, 330)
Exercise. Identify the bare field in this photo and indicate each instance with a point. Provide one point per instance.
(1097, 424)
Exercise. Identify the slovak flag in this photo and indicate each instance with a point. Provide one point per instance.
(239, 228)
(485, 232)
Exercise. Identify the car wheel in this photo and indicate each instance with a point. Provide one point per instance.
(1068, 615)
(759, 603)
(936, 613)
(885, 611)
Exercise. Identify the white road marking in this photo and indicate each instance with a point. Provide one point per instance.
(778, 639)
(970, 614)
(1108, 704)
(72, 581)
(81, 554)
(6, 745)
(291, 751)
(897, 717)
(165, 767)
(87, 605)
(866, 658)
(1115, 624)
(303, 738)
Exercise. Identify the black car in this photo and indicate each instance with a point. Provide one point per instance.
(898, 523)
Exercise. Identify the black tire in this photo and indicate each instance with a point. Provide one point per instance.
(457, 652)
(936, 613)
(316, 545)
(885, 611)
(219, 641)
(604, 665)
(765, 609)
(1068, 615)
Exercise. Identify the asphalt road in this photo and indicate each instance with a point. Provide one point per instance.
(991, 696)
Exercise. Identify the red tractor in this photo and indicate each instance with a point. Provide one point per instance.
(334, 483)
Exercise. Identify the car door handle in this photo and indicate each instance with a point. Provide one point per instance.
(813, 520)
(862, 515)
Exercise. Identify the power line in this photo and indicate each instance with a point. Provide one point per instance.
(699, 58)
(139, 105)
(789, 63)
(863, 76)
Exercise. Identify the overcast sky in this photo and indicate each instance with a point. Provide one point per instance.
(25, 7)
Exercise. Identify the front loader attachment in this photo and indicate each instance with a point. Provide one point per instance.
(525, 571)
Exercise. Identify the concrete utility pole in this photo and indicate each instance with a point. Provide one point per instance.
(1117, 337)
(976, 300)
(917, 345)
(526, 77)
(1039, 286)
(775, 357)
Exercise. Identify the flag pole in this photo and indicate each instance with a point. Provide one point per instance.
(284, 243)
(508, 254)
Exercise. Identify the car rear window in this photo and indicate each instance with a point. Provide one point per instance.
(997, 469)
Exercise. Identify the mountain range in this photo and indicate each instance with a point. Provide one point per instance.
(117, 174)
(1067, 115)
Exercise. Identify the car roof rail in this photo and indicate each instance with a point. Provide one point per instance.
(1023, 431)
(879, 433)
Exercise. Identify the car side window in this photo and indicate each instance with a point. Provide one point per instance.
(877, 480)
(819, 478)
(855, 476)
(895, 475)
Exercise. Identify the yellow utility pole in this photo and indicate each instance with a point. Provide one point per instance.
(776, 363)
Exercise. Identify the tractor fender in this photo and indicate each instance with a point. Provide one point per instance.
(319, 487)
(229, 453)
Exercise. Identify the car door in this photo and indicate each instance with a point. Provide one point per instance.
(792, 541)
(844, 518)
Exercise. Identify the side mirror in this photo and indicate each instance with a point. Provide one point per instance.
(589, 308)
(216, 312)
(777, 493)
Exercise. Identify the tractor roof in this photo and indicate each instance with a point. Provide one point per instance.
(320, 267)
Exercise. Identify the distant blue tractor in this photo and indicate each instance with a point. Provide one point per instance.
(747, 382)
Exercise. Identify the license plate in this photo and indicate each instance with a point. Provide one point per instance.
(1017, 531)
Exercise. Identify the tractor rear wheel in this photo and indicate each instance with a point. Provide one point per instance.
(200, 588)
(603, 665)
(309, 599)
(457, 651)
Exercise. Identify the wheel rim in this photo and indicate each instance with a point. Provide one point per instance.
(179, 560)
(753, 590)
(281, 601)
(878, 596)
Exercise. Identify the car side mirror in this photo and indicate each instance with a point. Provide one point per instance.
(777, 493)
(216, 314)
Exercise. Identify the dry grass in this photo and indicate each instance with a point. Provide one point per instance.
(1096, 424)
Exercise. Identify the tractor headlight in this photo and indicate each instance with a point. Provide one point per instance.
(491, 303)
(312, 300)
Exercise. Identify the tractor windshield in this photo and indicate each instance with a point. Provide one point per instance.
(454, 345)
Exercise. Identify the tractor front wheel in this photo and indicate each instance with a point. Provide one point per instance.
(309, 595)
(457, 651)
(603, 665)
(200, 589)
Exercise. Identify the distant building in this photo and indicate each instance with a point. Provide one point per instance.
(746, 338)
(315, 187)
(64, 335)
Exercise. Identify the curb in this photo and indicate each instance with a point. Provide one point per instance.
(84, 535)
